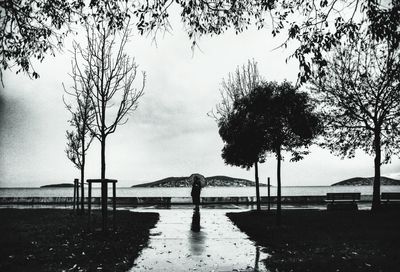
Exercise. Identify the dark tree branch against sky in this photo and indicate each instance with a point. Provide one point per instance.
(29, 30)
(360, 96)
(109, 73)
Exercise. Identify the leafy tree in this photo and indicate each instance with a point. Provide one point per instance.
(79, 139)
(243, 138)
(272, 118)
(360, 96)
(289, 123)
(235, 128)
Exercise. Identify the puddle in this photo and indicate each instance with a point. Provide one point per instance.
(204, 240)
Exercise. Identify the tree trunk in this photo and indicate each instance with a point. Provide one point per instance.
(376, 198)
(83, 176)
(103, 157)
(257, 187)
(103, 183)
(278, 199)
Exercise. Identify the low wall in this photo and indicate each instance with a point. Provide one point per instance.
(139, 201)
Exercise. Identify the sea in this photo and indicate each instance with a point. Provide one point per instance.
(206, 192)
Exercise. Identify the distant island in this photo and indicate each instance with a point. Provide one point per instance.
(214, 181)
(358, 181)
(59, 185)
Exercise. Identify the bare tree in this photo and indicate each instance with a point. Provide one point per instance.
(108, 73)
(237, 85)
(79, 139)
(360, 96)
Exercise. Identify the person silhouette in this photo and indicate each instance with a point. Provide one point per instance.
(196, 190)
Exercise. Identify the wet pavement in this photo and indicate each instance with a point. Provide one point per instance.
(204, 240)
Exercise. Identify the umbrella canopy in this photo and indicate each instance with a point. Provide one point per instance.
(201, 178)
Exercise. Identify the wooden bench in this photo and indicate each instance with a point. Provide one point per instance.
(342, 201)
(388, 197)
(390, 200)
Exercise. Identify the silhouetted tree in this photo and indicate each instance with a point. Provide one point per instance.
(234, 128)
(272, 118)
(82, 111)
(360, 96)
(243, 139)
(288, 121)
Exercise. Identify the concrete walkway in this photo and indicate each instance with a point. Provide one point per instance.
(186, 240)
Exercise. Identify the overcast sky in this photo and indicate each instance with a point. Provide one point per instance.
(170, 134)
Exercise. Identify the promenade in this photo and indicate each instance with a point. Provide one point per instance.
(184, 240)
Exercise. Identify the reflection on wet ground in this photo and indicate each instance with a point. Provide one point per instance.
(198, 240)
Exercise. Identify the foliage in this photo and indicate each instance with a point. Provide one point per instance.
(243, 138)
(286, 116)
(241, 134)
(316, 25)
(29, 30)
(270, 119)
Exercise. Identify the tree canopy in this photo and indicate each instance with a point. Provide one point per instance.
(30, 27)
(243, 136)
(271, 118)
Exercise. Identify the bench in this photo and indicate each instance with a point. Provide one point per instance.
(342, 201)
(386, 197)
(390, 200)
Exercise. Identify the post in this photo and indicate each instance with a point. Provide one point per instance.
(77, 194)
(257, 187)
(89, 200)
(114, 202)
(104, 203)
(269, 195)
(73, 207)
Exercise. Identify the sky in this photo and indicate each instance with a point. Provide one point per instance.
(170, 134)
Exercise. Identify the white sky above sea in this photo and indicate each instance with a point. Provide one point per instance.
(170, 134)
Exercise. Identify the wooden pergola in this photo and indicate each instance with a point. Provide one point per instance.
(104, 197)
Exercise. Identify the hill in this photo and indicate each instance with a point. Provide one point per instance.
(357, 181)
(59, 185)
(214, 181)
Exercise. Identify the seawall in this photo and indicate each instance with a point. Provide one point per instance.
(142, 201)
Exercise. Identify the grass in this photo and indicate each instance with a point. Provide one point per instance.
(58, 240)
(311, 240)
